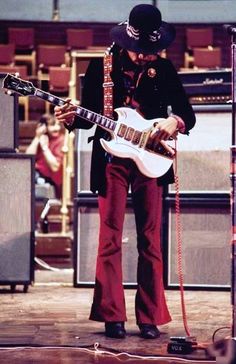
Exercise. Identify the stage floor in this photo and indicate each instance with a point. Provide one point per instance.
(49, 324)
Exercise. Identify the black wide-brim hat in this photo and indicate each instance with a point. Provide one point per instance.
(144, 32)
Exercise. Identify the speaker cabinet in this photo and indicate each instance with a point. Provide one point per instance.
(205, 238)
(8, 120)
(203, 157)
(204, 184)
(17, 219)
(86, 238)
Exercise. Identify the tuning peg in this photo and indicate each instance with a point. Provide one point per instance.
(9, 92)
(16, 74)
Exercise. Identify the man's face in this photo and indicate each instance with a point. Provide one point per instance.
(140, 58)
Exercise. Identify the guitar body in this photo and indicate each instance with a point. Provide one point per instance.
(150, 164)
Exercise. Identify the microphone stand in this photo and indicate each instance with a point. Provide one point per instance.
(232, 31)
(55, 11)
(226, 349)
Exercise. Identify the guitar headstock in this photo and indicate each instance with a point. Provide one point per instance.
(22, 87)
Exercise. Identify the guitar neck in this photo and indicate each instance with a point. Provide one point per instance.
(94, 118)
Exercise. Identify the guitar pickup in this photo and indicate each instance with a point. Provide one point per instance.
(122, 130)
(129, 134)
(136, 137)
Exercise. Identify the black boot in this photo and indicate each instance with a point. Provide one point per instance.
(115, 330)
(149, 331)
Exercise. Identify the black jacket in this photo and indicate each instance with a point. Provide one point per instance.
(154, 95)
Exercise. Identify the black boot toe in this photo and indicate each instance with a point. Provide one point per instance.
(115, 330)
(148, 331)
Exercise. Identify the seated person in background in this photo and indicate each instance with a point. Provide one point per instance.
(47, 147)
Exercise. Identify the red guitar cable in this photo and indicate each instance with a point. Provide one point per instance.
(178, 230)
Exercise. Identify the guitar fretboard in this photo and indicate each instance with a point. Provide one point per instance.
(91, 116)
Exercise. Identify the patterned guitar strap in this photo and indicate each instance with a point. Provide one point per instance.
(108, 85)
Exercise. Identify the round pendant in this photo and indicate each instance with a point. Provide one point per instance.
(152, 72)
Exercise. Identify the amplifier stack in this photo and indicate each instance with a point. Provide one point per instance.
(16, 200)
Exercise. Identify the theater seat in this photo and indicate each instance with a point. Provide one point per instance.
(196, 38)
(24, 41)
(48, 56)
(79, 38)
(7, 52)
(207, 57)
(59, 80)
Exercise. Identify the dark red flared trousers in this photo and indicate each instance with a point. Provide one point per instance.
(109, 299)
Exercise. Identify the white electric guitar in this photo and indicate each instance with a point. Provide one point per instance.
(130, 134)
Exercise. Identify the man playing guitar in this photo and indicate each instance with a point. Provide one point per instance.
(149, 84)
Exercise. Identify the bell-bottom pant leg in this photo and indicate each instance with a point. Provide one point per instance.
(109, 300)
(150, 303)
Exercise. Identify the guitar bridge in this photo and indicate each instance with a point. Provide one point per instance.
(161, 148)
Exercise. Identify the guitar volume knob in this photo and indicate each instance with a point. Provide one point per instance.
(9, 92)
